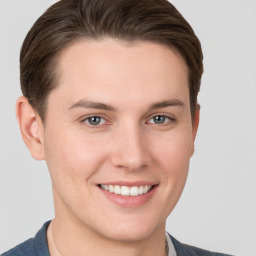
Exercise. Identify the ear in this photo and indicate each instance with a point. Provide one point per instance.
(31, 127)
(195, 124)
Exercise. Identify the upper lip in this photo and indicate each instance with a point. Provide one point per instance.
(129, 184)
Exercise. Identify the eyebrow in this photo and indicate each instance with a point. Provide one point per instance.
(98, 105)
(92, 104)
(167, 103)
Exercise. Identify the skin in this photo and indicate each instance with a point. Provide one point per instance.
(127, 145)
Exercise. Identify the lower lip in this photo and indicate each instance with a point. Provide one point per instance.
(129, 201)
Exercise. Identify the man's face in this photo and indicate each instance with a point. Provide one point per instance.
(118, 122)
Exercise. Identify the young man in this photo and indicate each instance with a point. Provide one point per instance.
(110, 103)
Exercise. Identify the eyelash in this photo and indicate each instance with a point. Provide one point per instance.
(167, 120)
(89, 118)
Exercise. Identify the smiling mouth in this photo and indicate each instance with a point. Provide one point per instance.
(127, 191)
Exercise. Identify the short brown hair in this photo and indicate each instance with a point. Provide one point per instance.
(129, 20)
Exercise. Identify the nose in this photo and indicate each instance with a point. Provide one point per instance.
(131, 150)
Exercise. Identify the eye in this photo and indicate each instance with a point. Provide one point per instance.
(160, 119)
(94, 120)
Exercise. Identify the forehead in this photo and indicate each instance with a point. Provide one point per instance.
(127, 70)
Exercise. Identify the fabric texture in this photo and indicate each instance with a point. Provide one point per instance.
(171, 249)
(37, 246)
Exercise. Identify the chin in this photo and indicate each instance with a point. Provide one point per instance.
(130, 230)
(127, 235)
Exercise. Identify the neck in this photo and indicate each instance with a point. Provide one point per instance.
(69, 239)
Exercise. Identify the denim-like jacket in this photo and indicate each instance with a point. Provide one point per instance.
(37, 246)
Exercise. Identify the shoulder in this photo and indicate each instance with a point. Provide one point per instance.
(188, 250)
(36, 246)
(25, 248)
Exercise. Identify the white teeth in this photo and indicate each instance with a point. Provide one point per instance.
(127, 191)
(134, 191)
(141, 190)
(117, 190)
(111, 188)
(145, 189)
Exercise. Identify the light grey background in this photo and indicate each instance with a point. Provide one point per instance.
(218, 208)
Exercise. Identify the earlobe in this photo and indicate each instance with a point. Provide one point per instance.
(31, 128)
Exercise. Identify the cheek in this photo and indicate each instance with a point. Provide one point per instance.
(171, 153)
(72, 158)
(174, 155)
